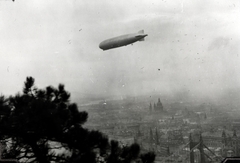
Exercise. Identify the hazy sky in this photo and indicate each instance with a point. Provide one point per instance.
(194, 43)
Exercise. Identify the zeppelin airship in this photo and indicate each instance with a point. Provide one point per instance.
(123, 40)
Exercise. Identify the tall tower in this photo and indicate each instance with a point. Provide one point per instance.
(235, 143)
(224, 138)
(191, 146)
(159, 106)
(202, 155)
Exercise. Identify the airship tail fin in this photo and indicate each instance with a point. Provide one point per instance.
(141, 39)
(142, 31)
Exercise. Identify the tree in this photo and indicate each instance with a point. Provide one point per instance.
(40, 121)
(128, 154)
(131, 153)
(114, 157)
(148, 157)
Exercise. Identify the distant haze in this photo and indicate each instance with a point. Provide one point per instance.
(192, 48)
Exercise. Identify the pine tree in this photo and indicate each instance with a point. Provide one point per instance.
(38, 122)
(38, 118)
(148, 157)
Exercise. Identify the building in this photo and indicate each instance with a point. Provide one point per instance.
(227, 143)
(156, 107)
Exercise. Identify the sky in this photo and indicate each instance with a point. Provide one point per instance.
(192, 46)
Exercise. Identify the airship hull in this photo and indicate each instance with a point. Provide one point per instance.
(121, 40)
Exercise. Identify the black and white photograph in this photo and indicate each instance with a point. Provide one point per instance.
(131, 81)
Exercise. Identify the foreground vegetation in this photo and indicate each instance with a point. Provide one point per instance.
(42, 125)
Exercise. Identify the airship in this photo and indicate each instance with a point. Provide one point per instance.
(122, 40)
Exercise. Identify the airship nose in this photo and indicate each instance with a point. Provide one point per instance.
(100, 45)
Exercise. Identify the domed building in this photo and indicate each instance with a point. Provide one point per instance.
(156, 107)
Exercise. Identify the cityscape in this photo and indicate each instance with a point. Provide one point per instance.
(174, 131)
(119, 81)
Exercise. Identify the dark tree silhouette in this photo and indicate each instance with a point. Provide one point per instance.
(148, 157)
(115, 153)
(39, 123)
(129, 154)
(41, 120)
